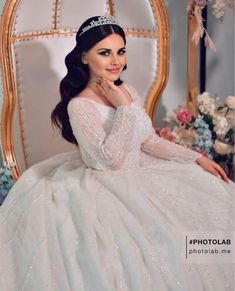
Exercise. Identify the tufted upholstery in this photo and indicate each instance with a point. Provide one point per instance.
(36, 36)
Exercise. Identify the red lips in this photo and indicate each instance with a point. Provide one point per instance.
(114, 71)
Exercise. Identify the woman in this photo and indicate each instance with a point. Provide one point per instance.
(112, 215)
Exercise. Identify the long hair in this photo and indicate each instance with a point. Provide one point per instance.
(78, 73)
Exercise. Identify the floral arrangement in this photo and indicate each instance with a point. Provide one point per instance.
(210, 132)
(6, 181)
(195, 8)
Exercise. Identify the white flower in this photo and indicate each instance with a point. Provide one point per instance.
(170, 118)
(203, 98)
(230, 102)
(220, 121)
(206, 104)
(231, 118)
(222, 148)
(221, 125)
(185, 137)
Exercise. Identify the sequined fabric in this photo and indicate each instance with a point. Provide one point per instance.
(110, 215)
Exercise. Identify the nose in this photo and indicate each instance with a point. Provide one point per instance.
(115, 60)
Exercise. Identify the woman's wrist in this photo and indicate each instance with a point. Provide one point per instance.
(199, 159)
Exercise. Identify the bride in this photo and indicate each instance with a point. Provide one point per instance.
(111, 215)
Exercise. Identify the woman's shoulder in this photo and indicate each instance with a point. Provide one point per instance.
(85, 93)
(80, 102)
(82, 96)
(82, 107)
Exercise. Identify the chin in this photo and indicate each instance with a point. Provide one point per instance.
(113, 78)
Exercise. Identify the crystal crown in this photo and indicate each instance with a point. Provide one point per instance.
(102, 20)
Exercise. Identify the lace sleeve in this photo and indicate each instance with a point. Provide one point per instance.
(111, 148)
(162, 148)
(159, 147)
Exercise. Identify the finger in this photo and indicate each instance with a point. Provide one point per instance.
(104, 88)
(108, 90)
(219, 168)
(219, 172)
(109, 84)
(214, 172)
(104, 83)
(220, 176)
(97, 82)
(100, 89)
(99, 79)
(222, 173)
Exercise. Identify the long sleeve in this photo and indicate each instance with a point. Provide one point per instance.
(162, 148)
(108, 149)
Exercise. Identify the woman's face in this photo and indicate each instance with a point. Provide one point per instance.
(107, 58)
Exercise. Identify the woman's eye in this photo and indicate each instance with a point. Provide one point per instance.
(122, 52)
(107, 53)
(104, 53)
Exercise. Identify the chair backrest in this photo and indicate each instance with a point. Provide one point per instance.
(35, 38)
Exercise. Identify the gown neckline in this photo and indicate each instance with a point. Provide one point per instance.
(106, 106)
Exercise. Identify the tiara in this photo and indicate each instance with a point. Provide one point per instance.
(102, 20)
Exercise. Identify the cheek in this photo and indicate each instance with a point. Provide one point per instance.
(97, 65)
(123, 61)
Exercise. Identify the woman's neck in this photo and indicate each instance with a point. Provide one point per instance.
(92, 87)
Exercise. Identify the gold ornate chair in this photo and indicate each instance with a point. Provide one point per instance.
(35, 38)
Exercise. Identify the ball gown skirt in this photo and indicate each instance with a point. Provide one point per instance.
(111, 215)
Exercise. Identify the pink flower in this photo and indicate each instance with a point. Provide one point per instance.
(165, 133)
(204, 153)
(184, 115)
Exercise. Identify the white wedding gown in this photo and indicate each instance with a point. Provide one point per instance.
(111, 215)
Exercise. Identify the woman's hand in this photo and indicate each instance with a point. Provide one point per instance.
(212, 167)
(112, 92)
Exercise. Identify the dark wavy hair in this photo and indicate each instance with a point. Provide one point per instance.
(78, 73)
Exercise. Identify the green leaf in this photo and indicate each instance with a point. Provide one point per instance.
(229, 133)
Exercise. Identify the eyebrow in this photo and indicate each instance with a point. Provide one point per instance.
(106, 49)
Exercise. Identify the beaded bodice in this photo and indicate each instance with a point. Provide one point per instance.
(111, 139)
